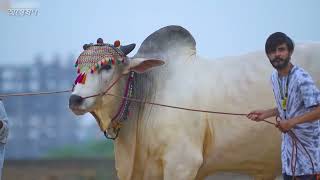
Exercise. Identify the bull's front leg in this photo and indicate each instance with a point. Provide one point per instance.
(182, 162)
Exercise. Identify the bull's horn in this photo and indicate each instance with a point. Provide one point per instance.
(128, 48)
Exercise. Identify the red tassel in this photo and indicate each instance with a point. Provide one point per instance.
(84, 77)
(80, 78)
(116, 43)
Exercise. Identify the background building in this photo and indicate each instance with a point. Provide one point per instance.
(40, 123)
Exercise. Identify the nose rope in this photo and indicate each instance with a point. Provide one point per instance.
(103, 93)
(34, 93)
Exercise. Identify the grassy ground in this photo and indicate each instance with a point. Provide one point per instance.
(59, 169)
(91, 161)
(89, 150)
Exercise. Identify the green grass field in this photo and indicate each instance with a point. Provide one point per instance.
(89, 150)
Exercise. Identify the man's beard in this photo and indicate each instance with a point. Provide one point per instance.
(279, 63)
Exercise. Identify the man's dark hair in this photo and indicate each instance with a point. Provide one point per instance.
(277, 39)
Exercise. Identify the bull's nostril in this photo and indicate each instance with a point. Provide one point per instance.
(75, 100)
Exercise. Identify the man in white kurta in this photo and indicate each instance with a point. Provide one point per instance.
(4, 130)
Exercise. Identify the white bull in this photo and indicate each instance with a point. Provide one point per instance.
(163, 143)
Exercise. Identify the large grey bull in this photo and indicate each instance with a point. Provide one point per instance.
(163, 143)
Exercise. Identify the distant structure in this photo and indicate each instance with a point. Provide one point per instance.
(39, 123)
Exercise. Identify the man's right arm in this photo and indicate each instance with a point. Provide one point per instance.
(259, 115)
(271, 113)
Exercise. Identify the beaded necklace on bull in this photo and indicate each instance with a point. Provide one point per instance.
(91, 60)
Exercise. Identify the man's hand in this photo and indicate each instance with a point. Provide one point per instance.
(285, 125)
(257, 115)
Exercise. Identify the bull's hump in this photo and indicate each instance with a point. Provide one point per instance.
(165, 40)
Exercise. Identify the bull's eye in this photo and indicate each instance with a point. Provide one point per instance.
(105, 67)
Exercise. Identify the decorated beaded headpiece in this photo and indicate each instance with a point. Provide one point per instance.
(95, 56)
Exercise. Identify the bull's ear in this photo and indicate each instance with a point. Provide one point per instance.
(142, 65)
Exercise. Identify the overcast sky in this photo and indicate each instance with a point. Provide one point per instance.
(221, 28)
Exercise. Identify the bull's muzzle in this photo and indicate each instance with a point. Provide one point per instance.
(75, 101)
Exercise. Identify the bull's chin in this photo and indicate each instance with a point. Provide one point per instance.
(102, 124)
(78, 112)
(81, 110)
